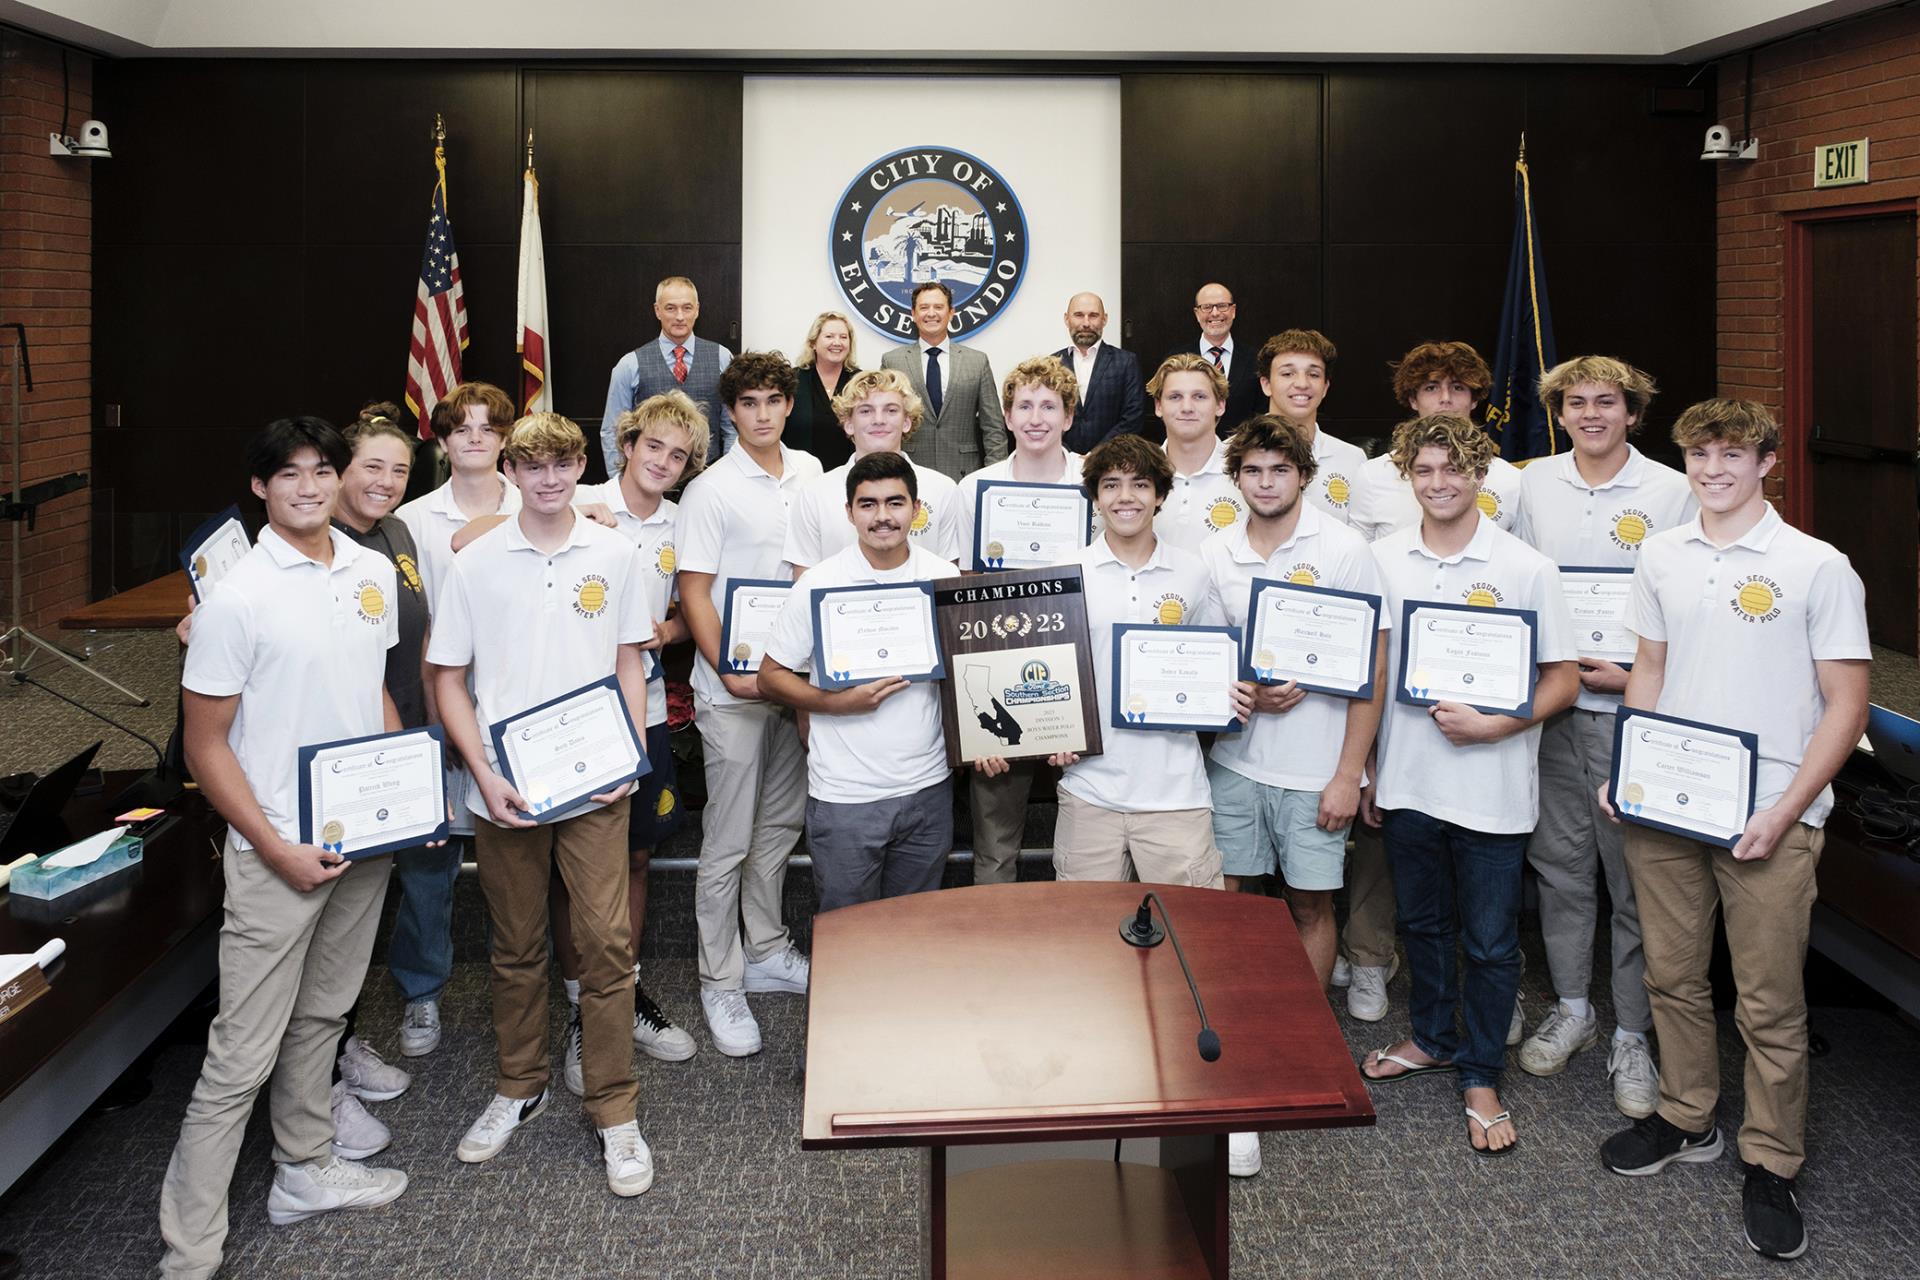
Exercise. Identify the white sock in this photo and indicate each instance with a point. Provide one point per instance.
(1621, 1035)
(573, 989)
(1578, 1008)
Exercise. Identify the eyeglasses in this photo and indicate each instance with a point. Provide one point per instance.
(1212, 308)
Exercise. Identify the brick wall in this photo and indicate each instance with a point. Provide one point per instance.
(1859, 79)
(46, 283)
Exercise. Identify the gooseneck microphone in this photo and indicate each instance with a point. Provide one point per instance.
(1139, 930)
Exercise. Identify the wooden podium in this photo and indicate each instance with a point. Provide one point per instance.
(1015, 1014)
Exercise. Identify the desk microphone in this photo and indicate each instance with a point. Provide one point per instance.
(1139, 930)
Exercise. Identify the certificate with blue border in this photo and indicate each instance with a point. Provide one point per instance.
(753, 606)
(1020, 525)
(1323, 639)
(870, 632)
(1596, 598)
(1177, 678)
(213, 549)
(361, 797)
(562, 753)
(1483, 657)
(1684, 777)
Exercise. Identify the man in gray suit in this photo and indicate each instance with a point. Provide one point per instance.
(963, 429)
(675, 361)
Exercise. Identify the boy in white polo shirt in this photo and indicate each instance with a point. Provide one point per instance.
(1746, 623)
(534, 609)
(733, 524)
(1592, 506)
(1295, 374)
(879, 412)
(289, 652)
(1459, 787)
(1189, 394)
(880, 794)
(1039, 398)
(1141, 807)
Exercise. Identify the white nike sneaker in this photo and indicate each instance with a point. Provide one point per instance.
(488, 1136)
(302, 1191)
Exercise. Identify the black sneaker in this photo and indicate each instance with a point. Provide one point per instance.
(1653, 1144)
(1772, 1213)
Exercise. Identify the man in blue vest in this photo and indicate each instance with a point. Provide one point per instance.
(675, 361)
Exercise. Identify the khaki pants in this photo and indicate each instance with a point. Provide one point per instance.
(1173, 846)
(1368, 938)
(999, 807)
(1768, 906)
(756, 802)
(516, 865)
(291, 965)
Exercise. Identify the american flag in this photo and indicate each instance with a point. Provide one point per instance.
(439, 308)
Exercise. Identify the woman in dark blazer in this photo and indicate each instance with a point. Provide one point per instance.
(825, 364)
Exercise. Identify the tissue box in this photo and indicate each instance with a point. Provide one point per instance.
(37, 880)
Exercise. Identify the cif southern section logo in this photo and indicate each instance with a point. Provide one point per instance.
(924, 214)
(1037, 685)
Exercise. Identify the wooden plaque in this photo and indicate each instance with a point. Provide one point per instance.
(1019, 666)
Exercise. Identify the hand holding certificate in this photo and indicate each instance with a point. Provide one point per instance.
(1597, 600)
(1028, 526)
(1680, 776)
(1483, 657)
(869, 633)
(1322, 639)
(367, 796)
(1175, 677)
(213, 549)
(753, 606)
(563, 753)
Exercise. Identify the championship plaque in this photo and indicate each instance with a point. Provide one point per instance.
(1019, 666)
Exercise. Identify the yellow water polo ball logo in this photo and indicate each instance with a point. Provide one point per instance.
(1339, 491)
(1756, 599)
(666, 560)
(590, 596)
(1630, 528)
(409, 572)
(921, 519)
(1223, 514)
(370, 600)
(1304, 575)
(1482, 595)
(666, 803)
(1489, 503)
(1169, 610)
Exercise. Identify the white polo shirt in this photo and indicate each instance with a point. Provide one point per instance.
(1492, 787)
(1336, 472)
(1383, 501)
(968, 495)
(534, 626)
(1141, 770)
(304, 645)
(1297, 749)
(653, 536)
(733, 524)
(1743, 626)
(1201, 505)
(1574, 524)
(899, 747)
(433, 519)
(819, 525)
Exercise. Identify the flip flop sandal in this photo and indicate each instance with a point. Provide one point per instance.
(1412, 1068)
(1489, 1152)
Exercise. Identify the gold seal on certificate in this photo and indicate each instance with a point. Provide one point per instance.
(1171, 677)
(373, 795)
(1474, 654)
(753, 606)
(1320, 638)
(562, 753)
(870, 632)
(1018, 525)
(213, 549)
(1597, 601)
(1019, 666)
(1683, 777)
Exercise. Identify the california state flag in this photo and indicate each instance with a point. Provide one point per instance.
(536, 367)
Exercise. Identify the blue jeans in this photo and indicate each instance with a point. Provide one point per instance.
(420, 956)
(1449, 881)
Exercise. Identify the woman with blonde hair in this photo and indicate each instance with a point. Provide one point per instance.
(824, 365)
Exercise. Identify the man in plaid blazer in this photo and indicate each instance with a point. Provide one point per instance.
(1112, 400)
(963, 429)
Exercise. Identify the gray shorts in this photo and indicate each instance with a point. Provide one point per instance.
(1262, 830)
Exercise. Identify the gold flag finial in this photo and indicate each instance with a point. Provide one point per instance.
(1523, 146)
(439, 129)
(529, 148)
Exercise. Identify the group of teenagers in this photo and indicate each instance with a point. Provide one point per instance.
(513, 583)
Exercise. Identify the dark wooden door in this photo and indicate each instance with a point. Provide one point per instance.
(1861, 436)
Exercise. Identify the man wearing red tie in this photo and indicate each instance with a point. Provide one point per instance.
(1215, 310)
(674, 361)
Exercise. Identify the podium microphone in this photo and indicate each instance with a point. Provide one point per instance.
(1139, 930)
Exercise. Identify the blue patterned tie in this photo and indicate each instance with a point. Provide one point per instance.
(934, 394)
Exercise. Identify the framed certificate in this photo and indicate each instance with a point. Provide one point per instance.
(1017, 525)
(1597, 599)
(1174, 677)
(213, 549)
(866, 633)
(1683, 777)
(365, 796)
(565, 751)
(1019, 666)
(753, 606)
(1483, 657)
(1325, 640)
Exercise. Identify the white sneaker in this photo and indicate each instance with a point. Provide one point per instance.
(731, 1023)
(370, 1077)
(784, 970)
(1367, 989)
(420, 1028)
(1554, 1042)
(1243, 1154)
(1342, 972)
(489, 1134)
(356, 1134)
(1636, 1081)
(1516, 1025)
(629, 1163)
(655, 1033)
(570, 1069)
(302, 1191)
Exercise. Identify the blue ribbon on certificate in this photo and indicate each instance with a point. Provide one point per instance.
(541, 806)
(338, 847)
(1265, 674)
(1135, 717)
(1418, 691)
(841, 675)
(994, 562)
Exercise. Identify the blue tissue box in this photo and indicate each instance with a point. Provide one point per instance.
(38, 880)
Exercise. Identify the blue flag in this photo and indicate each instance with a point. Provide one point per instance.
(1519, 424)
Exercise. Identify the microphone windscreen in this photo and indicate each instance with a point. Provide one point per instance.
(1210, 1045)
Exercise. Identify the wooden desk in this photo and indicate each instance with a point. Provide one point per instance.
(135, 959)
(157, 606)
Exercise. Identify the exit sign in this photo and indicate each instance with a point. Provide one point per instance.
(1840, 164)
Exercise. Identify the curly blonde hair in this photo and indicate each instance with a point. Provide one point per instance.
(873, 381)
(544, 435)
(668, 409)
(1638, 388)
(1043, 371)
(1469, 449)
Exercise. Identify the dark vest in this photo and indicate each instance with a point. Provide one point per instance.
(655, 377)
